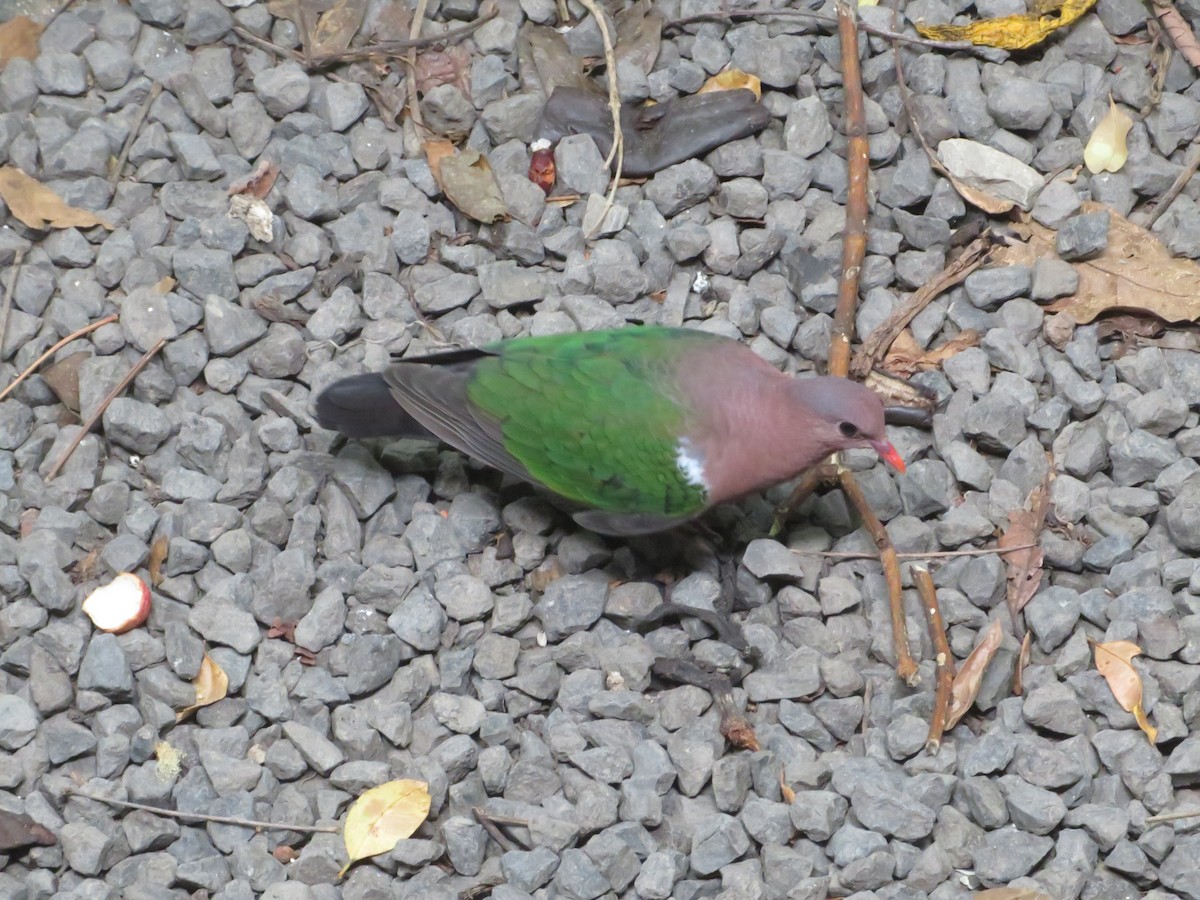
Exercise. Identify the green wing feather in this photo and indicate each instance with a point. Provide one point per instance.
(595, 417)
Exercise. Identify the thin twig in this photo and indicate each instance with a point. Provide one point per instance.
(858, 164)
(1190, 164)
(614, 107)
(1173, 816)
(204, 817)
(134, 130)
(32, 367)
(410, 60)
(932, 554)
(368, 51)
(812, 481)
(991, 54)
(270, 46)
(489, 825)
(876, 344)
(9, 290)
(112, 395)
(906, 667)
(943, 658)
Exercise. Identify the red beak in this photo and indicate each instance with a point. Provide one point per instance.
(889, 455)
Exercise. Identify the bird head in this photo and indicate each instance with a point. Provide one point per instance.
(848, 415)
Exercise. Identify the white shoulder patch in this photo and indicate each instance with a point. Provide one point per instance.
(691, 463)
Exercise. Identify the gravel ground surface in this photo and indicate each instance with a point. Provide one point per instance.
(457, 629)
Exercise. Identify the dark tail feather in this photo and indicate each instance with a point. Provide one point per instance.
(362, 406)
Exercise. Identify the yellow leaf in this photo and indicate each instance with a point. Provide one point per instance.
(38, 206)
(382, 816)
(1106, 150)
(785, 789)
(19, 39)
(966, 683)
(1017, 32)
(212, 684)
(733, 80)
(1114, 660)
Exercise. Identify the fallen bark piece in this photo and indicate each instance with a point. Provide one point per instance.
(655, 136)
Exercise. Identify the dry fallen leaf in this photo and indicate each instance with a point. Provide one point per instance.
(1010, 893)
(63, 379)
(733, 80)
(1134, 273)
(451, 65)
(337, 27)
(19, 39)
(966, 683)
(158, 555)
(39, 207)
(639, 36)
(258, 183)
(905, 358)
(1114, 660)
(466, 179)
(1017, 32)
(212, 684)
(1106, 150)
(546, 62)
(1025, 566)
(393, 23)
(382, 816)
(1018, 684)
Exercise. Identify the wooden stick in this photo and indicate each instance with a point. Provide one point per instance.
(490, 826)
(134, 130)
(1173, 816)
(932, 554)
(943, 658)
(1190, 164)
(906, 667)
(112, 395)
(357, 54)
(858, 164)
(876, 344)
(9, 290)
(32, 367)
(811, 481)
(204, 817)
(614, 107)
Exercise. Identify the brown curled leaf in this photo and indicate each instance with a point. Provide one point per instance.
(970, 674)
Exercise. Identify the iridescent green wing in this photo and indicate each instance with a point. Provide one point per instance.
(596, 417)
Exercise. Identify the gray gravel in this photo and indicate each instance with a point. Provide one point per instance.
(451, 626)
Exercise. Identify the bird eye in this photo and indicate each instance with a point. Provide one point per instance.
(848, 429)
